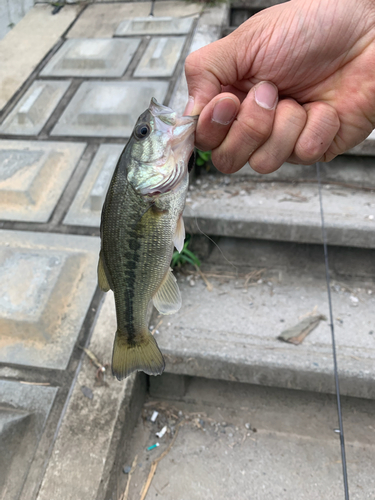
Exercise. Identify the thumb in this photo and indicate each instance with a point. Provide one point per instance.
(207, 70)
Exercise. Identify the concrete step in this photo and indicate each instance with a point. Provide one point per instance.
(285, 205)
(230, 333)
(247, 442)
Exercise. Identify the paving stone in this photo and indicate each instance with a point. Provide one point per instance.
(27, 43)
(155, 26)
(85, 447)
(33, 175)
(92, 57)
(11, 13)
(108, 109)
(87, 205)
(34, 109)
(160, 57)
(234, 206)
(48, 281)
(23, 412)
(101, 20)
(231, 331)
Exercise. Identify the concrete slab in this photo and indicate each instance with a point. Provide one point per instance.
(48, 283)
(100, 20)
(246, 442)
(87, 204)
(155, 26)
(24, 47)
(342, 171)
(238, 206)
(231, 332)
(34, 109)
(11, 13)
(108, 109)
(85, 447)
(23, 412)
(160, 57)
(92, 57)
(33, 175)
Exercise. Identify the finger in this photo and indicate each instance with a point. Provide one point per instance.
(320, 130)
(289, 122)
(206, 70)
(234, 90)
(215, 121)
(250, 130)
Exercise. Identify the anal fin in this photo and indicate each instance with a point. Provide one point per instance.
(167, 299)
(102, 278)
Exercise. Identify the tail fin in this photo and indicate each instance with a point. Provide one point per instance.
(142, 355)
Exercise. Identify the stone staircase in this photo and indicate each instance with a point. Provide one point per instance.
(59, 143)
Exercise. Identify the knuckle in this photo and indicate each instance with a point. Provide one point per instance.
(264, 163)
(224, 161)
(296, 115)
(310, 149)
(255, 132)
(195, 63)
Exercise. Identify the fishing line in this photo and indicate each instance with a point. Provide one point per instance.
(216, 245)
(339, 412)
(152, 8)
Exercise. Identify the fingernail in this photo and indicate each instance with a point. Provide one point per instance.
(224, 111)
(266, 95)
(189, 106)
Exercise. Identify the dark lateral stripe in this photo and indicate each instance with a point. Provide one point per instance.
(132, 260)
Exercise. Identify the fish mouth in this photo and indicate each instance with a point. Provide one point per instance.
(180, 145)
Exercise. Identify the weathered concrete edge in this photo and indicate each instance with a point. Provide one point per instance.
(354, 384)
(92, 428)
(281, 231)
(129, 411)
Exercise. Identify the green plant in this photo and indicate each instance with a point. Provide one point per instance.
(186, 256)
(203, 158)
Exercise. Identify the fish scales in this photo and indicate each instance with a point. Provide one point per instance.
(141, 221)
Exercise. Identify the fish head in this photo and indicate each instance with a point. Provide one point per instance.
(160, 148)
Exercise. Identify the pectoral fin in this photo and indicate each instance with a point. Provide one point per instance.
(167, 299)
(179, 235)
(102, 278)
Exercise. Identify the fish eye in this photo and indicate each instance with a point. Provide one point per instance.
(142, 131)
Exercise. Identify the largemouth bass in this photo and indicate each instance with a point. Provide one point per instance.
(141, 222)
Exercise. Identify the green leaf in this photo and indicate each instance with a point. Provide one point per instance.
(192, 256)
(200, 162)
(206, 156)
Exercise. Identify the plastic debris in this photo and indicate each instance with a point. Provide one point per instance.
(161, 433)
(126, 469)
(86, 391)
(296, 334)
(154, 416)
(354, 300)
(152, 446)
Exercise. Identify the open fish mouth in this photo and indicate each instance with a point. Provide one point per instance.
(174, 166)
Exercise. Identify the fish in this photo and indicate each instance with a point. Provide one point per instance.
(141, 222)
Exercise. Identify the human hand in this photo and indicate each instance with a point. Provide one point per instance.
(319, 56)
